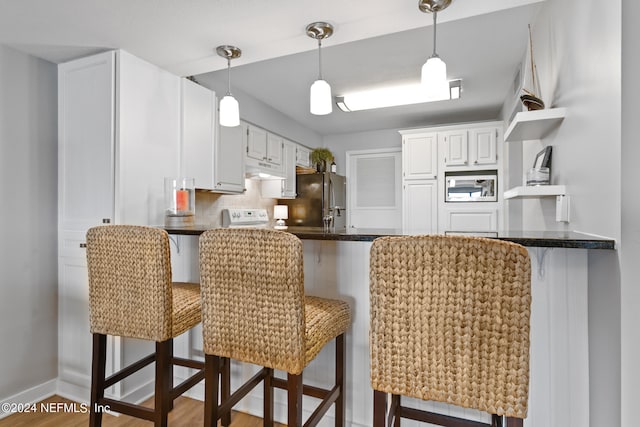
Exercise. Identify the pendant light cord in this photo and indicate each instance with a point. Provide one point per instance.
(319, 59)
(434, 33)
(229, 76)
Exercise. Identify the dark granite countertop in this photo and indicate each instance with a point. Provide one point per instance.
(545, 239)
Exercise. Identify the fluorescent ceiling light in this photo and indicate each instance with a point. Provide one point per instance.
(394, 96)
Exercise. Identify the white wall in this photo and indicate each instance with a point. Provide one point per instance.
(630, 236)
(28, 214)
(340, 143)
(577, 47)
(260, 114)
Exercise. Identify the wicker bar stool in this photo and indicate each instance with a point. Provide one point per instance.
(254, 310)
(131, 295)
(450, 323)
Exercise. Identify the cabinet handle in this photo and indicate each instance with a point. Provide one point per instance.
(475, 163)
(83, 245)
(106, 220)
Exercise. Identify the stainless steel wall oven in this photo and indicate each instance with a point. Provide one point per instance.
(471, 186)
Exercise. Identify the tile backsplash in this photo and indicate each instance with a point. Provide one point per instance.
(209, 205)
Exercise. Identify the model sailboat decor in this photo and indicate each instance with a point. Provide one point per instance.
(531, 85)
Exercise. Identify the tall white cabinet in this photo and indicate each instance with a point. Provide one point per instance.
(118, 137)
(419, 183)
(428, 156)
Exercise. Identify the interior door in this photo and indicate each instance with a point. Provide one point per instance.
(374, 194)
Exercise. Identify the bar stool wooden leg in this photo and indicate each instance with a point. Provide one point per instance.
(514, 422)
(395, 408)
(225, 385)
(294, 394)
(163, 382)
(170, 374)
(379, 408)
(211, 376)
(340, 380)
(268, 399)
(97, 377)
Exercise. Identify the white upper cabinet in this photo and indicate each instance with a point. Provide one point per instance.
(275, 146)
(302, 156)
(86, 149)
(283, 188)
(483, 146)
(265, 146)
(119, 136)
(256, 143)
(289, 164)
(213, 155)
(264, 152)
(198, 128)
(419, 156)
(455, 146)
(229, 159)
(469, 148)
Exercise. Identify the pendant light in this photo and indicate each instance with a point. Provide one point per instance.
(320, 101)
(229, 108)
(434, 71)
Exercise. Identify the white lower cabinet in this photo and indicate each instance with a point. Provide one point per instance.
(118, 137)
(420, 206)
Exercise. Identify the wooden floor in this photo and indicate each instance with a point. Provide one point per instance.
(186, 413)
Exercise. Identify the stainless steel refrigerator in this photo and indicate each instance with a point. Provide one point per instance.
(318, 195)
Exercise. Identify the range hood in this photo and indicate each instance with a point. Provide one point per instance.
(255, 172)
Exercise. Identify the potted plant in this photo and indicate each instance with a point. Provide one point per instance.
(320, 157)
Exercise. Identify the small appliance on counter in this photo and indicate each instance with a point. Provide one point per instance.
(321, 199)
(244, 218)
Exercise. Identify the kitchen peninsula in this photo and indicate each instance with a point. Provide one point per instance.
(337, 266)
(542, 239)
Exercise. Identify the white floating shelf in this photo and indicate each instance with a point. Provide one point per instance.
(536, 191)
(534, 124)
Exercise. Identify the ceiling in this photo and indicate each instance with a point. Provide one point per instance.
(385, 43)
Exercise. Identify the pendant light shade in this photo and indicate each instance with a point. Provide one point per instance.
(229, 107)
(320, 99)
(434, 71)
(229, 111)
(434, 78)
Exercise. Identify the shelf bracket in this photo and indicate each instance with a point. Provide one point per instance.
(541, 254)
(176, 242)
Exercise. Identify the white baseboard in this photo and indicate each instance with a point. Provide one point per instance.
(32, 395)
(72, 391)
